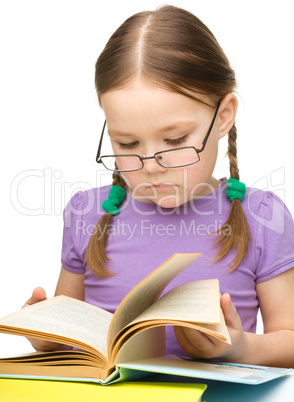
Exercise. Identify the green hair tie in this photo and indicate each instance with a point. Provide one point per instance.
(115, 198)
(236, 189)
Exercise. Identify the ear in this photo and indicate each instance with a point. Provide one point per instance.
(227, 114)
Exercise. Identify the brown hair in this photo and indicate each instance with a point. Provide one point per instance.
(239, 236)
(174, 50)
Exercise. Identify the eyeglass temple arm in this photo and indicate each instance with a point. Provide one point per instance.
(210, 128)
(100, 144)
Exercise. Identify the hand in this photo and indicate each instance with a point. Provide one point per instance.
(202, 346)
(38, 295)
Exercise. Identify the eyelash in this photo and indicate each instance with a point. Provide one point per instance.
(175, 142)
(127, 146)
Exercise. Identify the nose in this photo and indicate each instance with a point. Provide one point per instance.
(151, 165)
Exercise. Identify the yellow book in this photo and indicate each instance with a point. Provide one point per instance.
(12, 390)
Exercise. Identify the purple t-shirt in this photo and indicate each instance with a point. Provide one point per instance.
(144, 235)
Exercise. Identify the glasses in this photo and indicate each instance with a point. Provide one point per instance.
(171, 158)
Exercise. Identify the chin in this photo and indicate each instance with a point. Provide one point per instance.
(168, 202)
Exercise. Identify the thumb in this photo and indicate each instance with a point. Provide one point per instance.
(38, 295)
(230, 313)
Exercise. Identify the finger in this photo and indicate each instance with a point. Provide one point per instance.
(184, 343)
(193, 342)
(230, 313)
(199, 340)
(38, 295)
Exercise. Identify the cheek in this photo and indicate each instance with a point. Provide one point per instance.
(209, 157)
(133, 180)
(198, 175)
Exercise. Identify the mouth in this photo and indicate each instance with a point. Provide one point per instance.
(162, 185)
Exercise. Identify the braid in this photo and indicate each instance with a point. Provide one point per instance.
(239, 234)
(118, 180)
(232, 153)
(96, 250)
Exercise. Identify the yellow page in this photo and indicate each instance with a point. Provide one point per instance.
(153, 341)
(65, 317)
(193, 301)
(125, 337)
(147, 291)
(193, 304)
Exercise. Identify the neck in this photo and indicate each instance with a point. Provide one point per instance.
(212, 185)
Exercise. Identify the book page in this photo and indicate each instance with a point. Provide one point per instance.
(197, 301)
(147, 291)
(153, 341)
(65, 317)
(219, 331)
(194, 304)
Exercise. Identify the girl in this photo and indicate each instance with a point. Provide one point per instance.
(166, 89)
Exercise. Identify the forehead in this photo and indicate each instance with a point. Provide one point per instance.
(146, 102)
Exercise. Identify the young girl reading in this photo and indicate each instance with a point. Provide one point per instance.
(166, 88)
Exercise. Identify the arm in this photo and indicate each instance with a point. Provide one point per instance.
(274, 348)
(276, 299)
(69, 284)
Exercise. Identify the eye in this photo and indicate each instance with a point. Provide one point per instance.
(176, 141)
(130, 145)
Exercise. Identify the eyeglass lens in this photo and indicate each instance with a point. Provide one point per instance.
(170, 158)
(177, 157)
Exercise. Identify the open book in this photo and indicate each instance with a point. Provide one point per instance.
(107, 342)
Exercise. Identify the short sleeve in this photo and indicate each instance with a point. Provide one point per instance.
(70, 257)
(274, 238)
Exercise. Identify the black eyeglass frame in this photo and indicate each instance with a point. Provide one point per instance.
(142, 158)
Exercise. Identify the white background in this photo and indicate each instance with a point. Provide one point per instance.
(50, 121)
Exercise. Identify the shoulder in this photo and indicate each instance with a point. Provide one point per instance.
(266, 213)
(257, 201)
(266, 208)
(87, 202)
(257, 204)
(272, 232)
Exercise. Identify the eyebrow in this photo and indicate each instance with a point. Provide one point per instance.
(165, 129)
(177, 125)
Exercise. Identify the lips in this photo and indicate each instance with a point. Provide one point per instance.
(162, 185)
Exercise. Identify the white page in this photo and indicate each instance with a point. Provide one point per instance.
(193, 301)
(66, 317)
